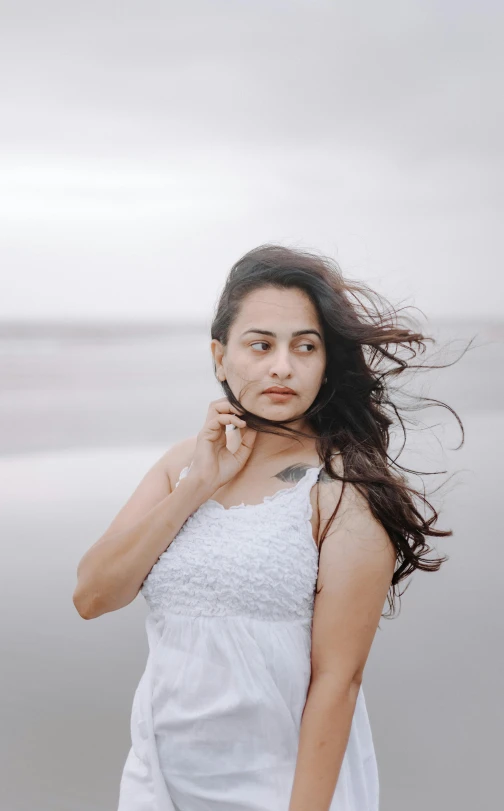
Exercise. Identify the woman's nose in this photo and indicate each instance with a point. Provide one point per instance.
(280, 365)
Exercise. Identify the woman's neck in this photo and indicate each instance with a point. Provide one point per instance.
(269, 446)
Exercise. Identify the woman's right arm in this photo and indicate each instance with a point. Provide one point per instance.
(110, 574)
(112, 571)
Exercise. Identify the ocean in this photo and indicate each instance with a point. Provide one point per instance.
(84, 412)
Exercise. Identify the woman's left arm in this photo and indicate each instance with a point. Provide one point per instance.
(357, 561)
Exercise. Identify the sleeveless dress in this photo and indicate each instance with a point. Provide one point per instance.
(216, 715)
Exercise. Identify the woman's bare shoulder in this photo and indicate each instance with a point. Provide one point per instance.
(354, 515)
(330, 490)
(178, 457)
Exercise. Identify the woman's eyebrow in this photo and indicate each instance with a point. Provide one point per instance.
(273, 334)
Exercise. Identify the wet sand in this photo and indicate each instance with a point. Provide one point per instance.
(433, 675)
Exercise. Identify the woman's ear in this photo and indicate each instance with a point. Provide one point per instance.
(217, 351)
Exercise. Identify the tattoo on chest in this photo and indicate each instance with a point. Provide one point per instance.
(295, 473)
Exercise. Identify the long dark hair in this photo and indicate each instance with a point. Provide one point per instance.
(354, 410)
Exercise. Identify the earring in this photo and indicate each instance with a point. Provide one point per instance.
(324, 380)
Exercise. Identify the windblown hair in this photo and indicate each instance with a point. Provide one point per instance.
(355, 410)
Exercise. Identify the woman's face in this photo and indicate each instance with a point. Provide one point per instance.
(276, 341)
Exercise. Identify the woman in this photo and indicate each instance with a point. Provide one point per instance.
(265, 554)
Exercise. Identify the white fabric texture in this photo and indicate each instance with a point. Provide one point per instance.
(216, 715)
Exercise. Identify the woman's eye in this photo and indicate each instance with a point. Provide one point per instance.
(264, 343)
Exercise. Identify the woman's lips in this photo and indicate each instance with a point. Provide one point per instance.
(277, 396)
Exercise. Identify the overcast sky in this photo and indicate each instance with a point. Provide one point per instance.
(145, 146)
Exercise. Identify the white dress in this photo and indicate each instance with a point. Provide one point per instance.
(216, 715)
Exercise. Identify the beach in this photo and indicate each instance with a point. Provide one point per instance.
(82, 421)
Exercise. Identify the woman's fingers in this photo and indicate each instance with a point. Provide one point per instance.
(225, 419)
(246, 445)
(223, 406)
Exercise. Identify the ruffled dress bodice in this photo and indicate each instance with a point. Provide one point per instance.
(216, 716)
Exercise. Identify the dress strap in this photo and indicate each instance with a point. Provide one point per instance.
(183, 474)
(304, 486)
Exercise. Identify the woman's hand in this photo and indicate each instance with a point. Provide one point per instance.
(213, 464)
